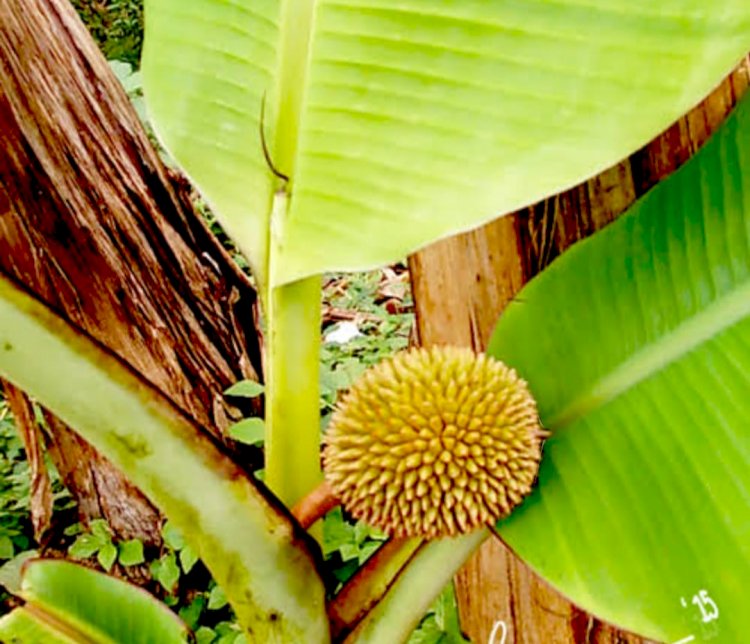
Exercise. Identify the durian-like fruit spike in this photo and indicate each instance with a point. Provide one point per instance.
(434, 442)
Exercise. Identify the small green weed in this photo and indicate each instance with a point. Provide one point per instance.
(441, 624)
(347, 545)
(98, 542)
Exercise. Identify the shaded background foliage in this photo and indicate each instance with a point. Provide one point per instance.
(116, 26)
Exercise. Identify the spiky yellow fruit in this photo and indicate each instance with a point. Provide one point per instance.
(434, 442)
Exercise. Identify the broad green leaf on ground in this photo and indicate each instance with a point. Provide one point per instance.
(636, 344)
(66, 602)
(408, 120)
(250, 547)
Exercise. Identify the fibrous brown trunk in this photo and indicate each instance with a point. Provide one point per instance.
(460, 287)
(92, 224)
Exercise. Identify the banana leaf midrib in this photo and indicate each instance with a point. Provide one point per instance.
(723, 313)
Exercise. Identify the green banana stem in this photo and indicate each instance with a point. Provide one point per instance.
(293, 310)
(292, 389)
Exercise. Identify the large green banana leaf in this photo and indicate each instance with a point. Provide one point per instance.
(68, 603)
(246, 541)
(636, 344)
(399, 122)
